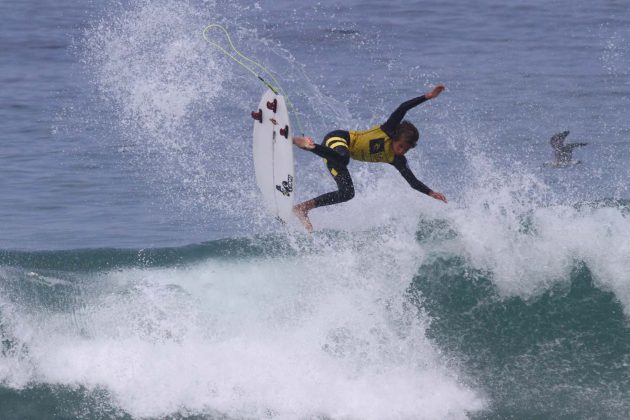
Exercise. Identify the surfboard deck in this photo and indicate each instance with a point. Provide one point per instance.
(273, 155)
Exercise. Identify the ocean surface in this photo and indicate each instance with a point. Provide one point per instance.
(141, 279)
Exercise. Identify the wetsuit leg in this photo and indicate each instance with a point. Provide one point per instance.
(334, 147)
(345, 190)
(337, 156)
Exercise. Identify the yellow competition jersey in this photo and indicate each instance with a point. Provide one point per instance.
(373, 145)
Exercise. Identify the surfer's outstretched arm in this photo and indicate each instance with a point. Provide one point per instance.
(574, 145)
(400, 163)
(397, 116)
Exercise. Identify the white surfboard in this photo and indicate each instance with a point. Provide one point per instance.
(273, 155)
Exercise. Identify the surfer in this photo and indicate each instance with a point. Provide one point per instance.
(563, 153)
(387, 143)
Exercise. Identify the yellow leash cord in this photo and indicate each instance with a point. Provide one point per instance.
(242, 60)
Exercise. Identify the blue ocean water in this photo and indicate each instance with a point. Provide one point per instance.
(139, 278)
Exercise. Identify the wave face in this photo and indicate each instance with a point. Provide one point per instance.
(316, 327)
(383, 322)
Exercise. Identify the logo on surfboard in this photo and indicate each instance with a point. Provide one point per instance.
(287, 186)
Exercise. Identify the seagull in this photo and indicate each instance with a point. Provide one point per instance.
(563, 153)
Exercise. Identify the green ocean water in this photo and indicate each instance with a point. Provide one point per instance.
(563, 354)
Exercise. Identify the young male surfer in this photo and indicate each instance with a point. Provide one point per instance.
(387, 143)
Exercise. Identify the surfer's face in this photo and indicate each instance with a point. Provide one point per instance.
(400, 147)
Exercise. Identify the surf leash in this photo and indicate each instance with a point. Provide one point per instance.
(250, 65)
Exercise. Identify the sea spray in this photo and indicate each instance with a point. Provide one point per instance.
(183, 108)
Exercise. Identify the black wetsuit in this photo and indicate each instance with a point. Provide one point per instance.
(370, 145)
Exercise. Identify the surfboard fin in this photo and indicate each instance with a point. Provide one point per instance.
(273, 105)
(257, 115)
(284, 132)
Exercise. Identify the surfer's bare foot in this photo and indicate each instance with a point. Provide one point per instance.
(303, 143)
(301, 212)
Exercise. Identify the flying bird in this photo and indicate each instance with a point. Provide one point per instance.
(563, 152)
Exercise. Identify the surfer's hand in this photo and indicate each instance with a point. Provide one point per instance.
(435, 92)
(304, 142)
(438, 196)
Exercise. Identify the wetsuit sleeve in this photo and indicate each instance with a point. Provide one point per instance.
(397, 116)
(400, 163)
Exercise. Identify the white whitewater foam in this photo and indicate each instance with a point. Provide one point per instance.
(507, 223)
(323, 333)
(510, 225)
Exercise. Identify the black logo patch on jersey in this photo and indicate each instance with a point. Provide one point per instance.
(377, 146)
(287, 186)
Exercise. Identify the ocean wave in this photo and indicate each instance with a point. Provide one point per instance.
(323, 330)
(249, 326)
